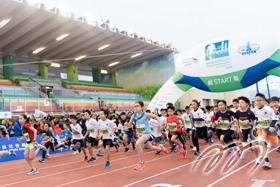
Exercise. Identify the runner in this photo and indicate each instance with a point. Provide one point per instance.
(175, 130)
(77, 136)
(155, 130)
(199, 124)
(144, 131)
(237, 135)
(68, 137)
(30, 134)
(267, 120)
(276, 108)
(208, 116)
(188, 123)
(128, 131)
(107, 129)
(246, 119)
(92, 128)
(4, 153)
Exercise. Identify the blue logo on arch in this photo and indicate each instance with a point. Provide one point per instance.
(248, 48)
(216, 50)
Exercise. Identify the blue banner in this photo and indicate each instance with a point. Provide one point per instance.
(19, 147)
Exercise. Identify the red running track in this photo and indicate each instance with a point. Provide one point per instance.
(65, 169)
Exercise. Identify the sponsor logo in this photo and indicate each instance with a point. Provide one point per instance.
(216, 50)
(248, 48)
(154, 102)
(194, 60)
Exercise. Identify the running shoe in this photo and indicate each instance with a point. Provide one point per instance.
(258, 160)
(86, 158)
(251, 149)
(211, 143)
(278, 149)
(228, 153)
(268, 145)
(184, 154)
(91, 160)
(180, 148)
(42, 160)
(163, 149)
(126, 149)
(238, 156)
(267, 166)
(107, 165)
(176, 148)
(233, 154)
(117, 150)
(207, 141)
(100, 153)
(73, 153)
(164, 142)
(158, 153)
(191, 145)
(172, 149)
(12, 152)
(140, 166)
(33, 172)
(197, 153)
(194, 149)
(41, 147)
(117, 143)
(48, 156)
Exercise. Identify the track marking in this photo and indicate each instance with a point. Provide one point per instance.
(235, 171)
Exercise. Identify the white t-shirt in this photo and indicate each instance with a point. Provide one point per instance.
(106, 128)
(78, 128)
(92, 127)
(188, 123)
(196, 115)
(234, 110)
(154, 128)
(162, 120)
(208, 117)
(265, 115)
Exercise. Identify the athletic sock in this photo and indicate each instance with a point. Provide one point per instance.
(266, 159)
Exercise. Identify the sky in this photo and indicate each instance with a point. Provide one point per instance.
(184, 23)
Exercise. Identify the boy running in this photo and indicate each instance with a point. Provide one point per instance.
(267, 120)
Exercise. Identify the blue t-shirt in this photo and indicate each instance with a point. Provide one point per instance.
(67, 133)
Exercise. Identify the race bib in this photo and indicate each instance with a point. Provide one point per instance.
(172, 126)
(66, 135)
(140, 129)
(225, 125)
(104, 131)
(244, 126)
(91, 130)
(264, 123)
(74, 133)
(208, 122)
(188, 122)
(27, 137)
(152, 129)
(198, 123)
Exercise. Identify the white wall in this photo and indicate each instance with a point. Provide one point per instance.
(199, 95)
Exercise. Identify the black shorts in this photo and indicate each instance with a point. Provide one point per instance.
(246, 133)
(211, 129)
(224, 132)
(74, 142)
(175, 133)
(107, 142)
(188, 130)
(92, 141)
(157, 139)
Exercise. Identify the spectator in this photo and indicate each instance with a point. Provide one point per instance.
(11, 129)
(100, 102)
(40, 129)
(17, 128)
(57, 129)
(115, 111)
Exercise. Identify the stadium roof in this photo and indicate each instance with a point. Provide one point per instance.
(29, 32)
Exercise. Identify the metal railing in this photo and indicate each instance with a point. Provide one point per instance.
(19, 90)
(28, 105)
(86, 94)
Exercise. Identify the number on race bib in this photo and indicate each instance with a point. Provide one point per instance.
(27, 137)
(264, 124)
(173, 127)
(74, 133)
(91, 130)
(225, 125)
(104, 131)
(197, 123)
(140, 129)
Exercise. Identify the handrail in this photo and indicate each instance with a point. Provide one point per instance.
(70, 86)
(36, 81)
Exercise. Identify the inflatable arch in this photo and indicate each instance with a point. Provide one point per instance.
(222, 65)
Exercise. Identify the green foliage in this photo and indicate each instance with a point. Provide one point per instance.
(148, 91)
